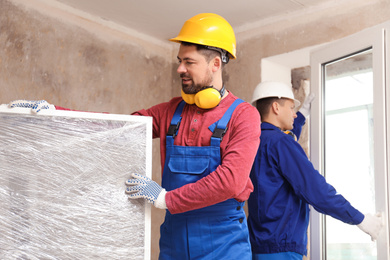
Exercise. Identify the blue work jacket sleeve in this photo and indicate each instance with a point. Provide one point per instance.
(299, 122)
(309, 185)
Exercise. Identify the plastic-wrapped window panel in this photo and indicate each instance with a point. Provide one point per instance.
(62, 185)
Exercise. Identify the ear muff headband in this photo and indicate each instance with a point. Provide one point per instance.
(205, 99)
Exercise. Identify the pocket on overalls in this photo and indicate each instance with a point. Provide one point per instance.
(190, 165)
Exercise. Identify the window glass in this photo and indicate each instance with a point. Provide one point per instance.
(349, 155)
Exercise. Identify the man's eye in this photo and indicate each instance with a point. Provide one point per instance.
(185, 62)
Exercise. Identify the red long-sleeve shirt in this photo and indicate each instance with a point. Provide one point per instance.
(238, 150)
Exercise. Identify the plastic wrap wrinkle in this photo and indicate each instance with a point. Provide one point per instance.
(62, 188)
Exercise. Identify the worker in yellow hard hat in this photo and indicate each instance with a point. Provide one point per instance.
(209, 139)
(206, 32)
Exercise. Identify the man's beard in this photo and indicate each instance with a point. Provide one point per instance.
(195, 88)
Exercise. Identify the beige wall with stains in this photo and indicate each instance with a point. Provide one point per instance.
(78, 65)
(298, 32)
(75, 63)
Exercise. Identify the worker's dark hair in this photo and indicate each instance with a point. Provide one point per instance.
(209, 54)
(264, 105)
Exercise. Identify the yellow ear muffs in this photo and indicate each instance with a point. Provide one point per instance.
(206, 98)
(188, 98)
(291, 133)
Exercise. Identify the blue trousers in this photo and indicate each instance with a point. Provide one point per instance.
(217, 232)
(278, 256)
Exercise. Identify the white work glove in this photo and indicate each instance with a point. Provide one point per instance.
(305, 108)
(35, 105)
(372, 225)
(143, 187)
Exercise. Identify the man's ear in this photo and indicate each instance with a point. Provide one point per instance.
(216, 63)
(275, 108)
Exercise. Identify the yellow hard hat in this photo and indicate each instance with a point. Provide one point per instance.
(208, 29)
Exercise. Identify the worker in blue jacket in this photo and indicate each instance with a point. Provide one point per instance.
(285, 182)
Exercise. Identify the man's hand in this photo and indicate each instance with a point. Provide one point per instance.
(306, 106)
(35, 105)
(143, 187)
(372, 225)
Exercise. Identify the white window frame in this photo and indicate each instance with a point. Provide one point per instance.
(146, 148)
(378, 39)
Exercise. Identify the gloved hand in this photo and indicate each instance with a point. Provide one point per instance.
(305, 108)
(372, 225)
(35, 105)
(143, 187)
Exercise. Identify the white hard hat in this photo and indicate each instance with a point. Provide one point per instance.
(273, 89)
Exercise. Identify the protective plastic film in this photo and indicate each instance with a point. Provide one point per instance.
(62, 192)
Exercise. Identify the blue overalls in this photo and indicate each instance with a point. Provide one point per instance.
(215, 232)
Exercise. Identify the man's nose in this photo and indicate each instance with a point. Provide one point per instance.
(181, 68)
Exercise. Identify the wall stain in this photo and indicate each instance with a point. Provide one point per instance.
(94, 56)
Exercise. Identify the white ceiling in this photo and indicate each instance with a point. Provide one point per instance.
(162, 19)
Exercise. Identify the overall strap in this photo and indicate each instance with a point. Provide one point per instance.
(221, 127)
(175, 123)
